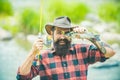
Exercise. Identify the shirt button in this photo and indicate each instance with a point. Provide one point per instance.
(64, 65)
(66, 74)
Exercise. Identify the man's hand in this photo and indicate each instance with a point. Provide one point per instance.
(37, 45)
(26, 66)
(80, 30)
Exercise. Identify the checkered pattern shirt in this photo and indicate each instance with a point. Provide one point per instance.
(73, 66)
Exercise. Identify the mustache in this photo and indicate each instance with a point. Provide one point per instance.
(62, 50)
(65, 40)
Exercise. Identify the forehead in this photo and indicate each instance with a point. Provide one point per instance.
(62, 29)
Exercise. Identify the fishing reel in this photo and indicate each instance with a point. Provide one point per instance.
(47, 40)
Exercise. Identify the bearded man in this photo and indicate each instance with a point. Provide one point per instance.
(66, 61)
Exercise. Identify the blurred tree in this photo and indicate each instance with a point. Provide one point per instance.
(111, 12)
(30, 22)
(108, 11)
(5, 8)
(75, 10)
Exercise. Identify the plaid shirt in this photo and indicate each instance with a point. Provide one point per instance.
(73, 66)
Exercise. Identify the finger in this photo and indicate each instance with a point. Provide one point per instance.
(83, 29)
(39, 40)
(39, 46)
(77, 29)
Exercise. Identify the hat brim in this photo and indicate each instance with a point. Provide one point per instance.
(49, 27)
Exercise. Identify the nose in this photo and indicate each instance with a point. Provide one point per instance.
(62, 36)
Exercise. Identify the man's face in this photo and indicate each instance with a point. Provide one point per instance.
(61, 42)
(59, 34)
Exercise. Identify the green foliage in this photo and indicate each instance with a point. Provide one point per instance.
(9, 24)
(113, 41)
(24, 43)
(5, 7)
(110, 12)
(76, 11)
(118, 18)
(13, 29)
(30, 22)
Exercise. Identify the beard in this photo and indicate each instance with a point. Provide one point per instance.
(62, 50)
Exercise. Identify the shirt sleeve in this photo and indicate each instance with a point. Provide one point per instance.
(36, 69)
(95, 55)
(33, 72)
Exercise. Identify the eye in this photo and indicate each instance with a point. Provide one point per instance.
(59, 32)
(67, 33)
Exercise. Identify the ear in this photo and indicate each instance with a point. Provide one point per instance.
(51, 33)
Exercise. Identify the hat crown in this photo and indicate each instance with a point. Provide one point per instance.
(62, 21)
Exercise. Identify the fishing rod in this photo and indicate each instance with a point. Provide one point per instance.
(40, 35)
(40, 28)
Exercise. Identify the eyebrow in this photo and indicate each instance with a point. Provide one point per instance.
(67, 32)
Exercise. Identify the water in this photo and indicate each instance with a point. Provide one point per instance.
(11, 56)
(104, 72)
(108, 70)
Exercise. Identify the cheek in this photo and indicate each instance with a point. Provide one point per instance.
(68, 38)
(55, 38)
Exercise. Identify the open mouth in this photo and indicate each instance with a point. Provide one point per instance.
(62, 42)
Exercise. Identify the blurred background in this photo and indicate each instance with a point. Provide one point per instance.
(22, 20)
